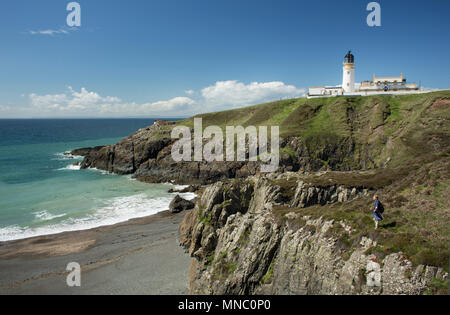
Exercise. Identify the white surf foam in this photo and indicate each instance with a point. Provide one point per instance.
(118, 210)
(101, 171)
(46, 216)
(63, 156)
(187, 196)
(180, 187)
(70, 167)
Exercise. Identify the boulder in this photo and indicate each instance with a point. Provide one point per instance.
(179, 204)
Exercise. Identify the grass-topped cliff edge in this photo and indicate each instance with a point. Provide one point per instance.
(378, 130)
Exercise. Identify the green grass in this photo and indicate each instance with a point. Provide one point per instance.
(331, 119)
(316, 116)
(205, 219)
(268, 277)
(259, 115)
(210, 258)
(223, 266)
(437, 287)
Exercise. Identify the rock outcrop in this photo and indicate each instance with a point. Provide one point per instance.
(240, 247)
(179, 204)
(127, 156)
(85, 151)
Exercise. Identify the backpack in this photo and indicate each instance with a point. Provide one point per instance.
(380, 207)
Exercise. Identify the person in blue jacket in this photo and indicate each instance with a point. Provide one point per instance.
(377, 216)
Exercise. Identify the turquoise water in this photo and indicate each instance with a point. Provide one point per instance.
(42, 192)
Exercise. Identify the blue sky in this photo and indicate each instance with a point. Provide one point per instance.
(180, 57)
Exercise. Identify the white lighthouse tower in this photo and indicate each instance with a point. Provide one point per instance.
(348, 82)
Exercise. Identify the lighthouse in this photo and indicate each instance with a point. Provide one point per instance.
(348, 81)
(379, 85)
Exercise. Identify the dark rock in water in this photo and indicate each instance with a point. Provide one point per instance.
(76, 164)
(179, 204)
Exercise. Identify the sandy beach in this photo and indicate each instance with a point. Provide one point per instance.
(140, 256)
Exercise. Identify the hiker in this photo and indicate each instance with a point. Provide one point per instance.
(378, 210)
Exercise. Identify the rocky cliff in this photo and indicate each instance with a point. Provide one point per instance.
(147, 155)
(252, 237)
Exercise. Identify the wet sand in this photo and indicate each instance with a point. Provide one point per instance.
(140, 256)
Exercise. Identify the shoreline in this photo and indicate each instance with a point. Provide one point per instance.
(139, 256)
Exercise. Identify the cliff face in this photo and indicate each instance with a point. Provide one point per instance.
(240, 245)
(147, 155)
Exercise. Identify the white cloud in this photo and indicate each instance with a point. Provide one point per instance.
(47, 101)
(73, 102)
(234, 93)
(174, 104)
(52, 32)
(4, 108)
(91, 104)
(84, 103)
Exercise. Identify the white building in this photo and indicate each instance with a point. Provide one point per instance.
(380, 85)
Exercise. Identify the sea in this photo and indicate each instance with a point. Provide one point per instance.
(42, 192)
